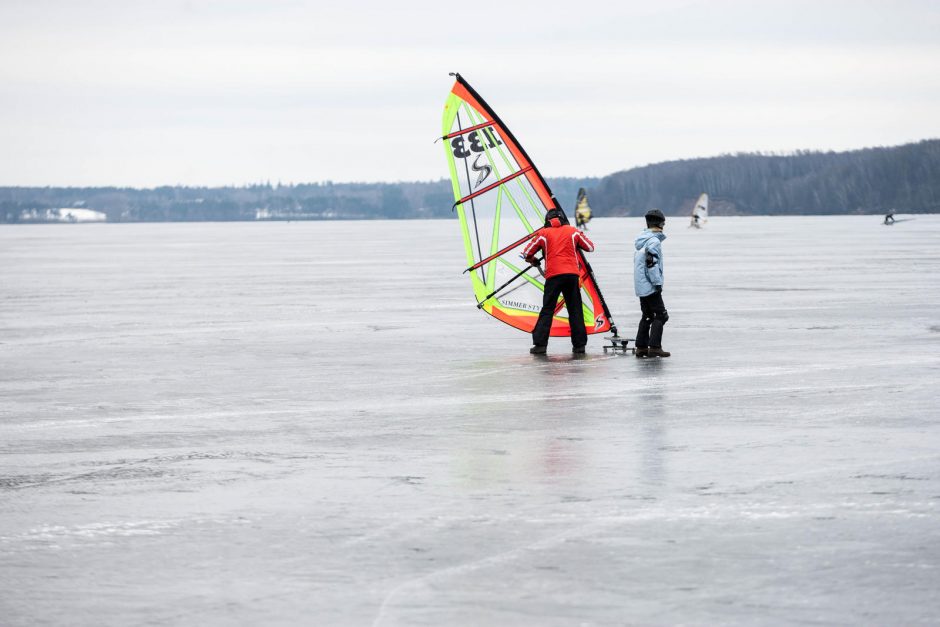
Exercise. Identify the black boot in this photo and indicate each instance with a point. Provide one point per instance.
(640, 352)
(538, 350)
(577, 350)
(657, 351)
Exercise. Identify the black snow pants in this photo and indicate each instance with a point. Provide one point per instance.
(654, 317)
(566, 284)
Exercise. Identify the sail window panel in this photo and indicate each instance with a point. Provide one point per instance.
(493, 223)
(525, 294)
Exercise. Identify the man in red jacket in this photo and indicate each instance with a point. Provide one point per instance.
(560, 243)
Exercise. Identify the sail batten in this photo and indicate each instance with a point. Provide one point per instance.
(467, 130)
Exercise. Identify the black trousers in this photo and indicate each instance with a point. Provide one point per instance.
(654, 317)
(567, 285)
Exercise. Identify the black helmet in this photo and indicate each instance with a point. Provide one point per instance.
(655, 217)
(557, 212)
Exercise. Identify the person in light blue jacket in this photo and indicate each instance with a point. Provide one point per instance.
(648, 284)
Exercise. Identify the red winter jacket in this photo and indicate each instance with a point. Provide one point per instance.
(560, 243)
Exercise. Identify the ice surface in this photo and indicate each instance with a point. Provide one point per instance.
(311, 423)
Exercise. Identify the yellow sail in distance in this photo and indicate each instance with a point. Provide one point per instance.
(582, 210)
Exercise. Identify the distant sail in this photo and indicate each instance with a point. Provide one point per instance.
(501, 199)
(582, 210)
(700, 212)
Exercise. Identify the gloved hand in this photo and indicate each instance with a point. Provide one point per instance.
(658, 288)
(533, 261)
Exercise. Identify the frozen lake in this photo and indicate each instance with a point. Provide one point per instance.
(311, 423)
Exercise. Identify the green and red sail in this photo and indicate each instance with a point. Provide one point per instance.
(501, 199)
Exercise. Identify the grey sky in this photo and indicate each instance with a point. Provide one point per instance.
(210, 93)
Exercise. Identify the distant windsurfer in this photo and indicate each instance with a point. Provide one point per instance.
(560, 243)
(582, 211)
(699, 212)
(648, 284)
(889, 218)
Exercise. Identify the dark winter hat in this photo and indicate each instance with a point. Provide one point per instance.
(655, 217)
(555, 213)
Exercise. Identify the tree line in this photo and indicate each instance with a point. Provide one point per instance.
(872, 180)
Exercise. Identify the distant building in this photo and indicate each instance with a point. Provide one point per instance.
(66, 214)
(81, 215)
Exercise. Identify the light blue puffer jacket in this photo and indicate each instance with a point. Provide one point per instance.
(646, 279)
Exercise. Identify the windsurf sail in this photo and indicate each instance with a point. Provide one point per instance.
(500, 200)
(582, 210)
(700, 212)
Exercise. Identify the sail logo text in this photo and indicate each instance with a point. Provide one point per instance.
(517, 305)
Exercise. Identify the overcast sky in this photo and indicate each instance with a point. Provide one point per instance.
(195, 92)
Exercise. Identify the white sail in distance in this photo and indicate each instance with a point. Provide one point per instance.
(700, 212)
